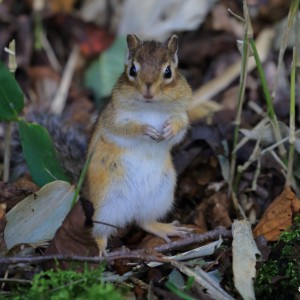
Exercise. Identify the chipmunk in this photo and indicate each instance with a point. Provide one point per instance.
(131, 177)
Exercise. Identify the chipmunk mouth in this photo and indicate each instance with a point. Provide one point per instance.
(148, 97)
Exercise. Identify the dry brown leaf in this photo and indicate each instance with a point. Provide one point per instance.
(278, 216)
(74, 236)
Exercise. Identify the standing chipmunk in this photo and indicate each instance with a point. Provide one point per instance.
(131, 177)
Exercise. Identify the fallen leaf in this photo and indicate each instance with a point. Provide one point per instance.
(244, 253)
(278, 216)
(36, 218)
(74, 235)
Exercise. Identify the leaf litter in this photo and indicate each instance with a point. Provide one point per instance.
(211, 62)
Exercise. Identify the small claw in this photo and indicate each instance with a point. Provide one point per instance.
(165, 238)
(165, 230)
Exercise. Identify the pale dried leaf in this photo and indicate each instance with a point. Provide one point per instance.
(37, 217)
(212, 287)
(205, 250)
(244, 253)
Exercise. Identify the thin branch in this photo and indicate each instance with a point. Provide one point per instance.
(59, 101)
(140, 254)
(86, 259)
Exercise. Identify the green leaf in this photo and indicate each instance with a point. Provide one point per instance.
(11, 96)
(103, 73)
(40, 154)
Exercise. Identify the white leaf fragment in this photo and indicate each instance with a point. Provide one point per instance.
(244, 253)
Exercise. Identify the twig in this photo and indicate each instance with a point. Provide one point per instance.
(49, 52)
(5, 280)
(140, 254)
(86, 259)
(59, 101)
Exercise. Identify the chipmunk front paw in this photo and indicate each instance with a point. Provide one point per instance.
(169, 130)
(153, 133)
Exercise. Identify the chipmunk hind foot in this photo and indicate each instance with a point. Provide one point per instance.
(166, 230)
(102, 244)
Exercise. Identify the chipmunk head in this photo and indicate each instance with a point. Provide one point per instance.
(151, 66)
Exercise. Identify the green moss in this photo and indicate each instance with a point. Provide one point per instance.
(69, 284)
(279, 277)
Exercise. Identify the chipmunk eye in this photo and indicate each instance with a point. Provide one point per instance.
(168, 72)
(132, 71)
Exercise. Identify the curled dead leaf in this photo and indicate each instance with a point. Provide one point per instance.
(278, 216)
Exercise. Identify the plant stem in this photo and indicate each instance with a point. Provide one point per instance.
(81, 179)
(292, 121)
(7, 142)
(271, 111)
(12, 66)
(245, 55)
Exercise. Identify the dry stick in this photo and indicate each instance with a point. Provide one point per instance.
(140, 254)
(86, 259)
(49, 52)
(59, 101)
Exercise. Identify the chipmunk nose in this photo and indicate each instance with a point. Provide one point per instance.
(148, 94)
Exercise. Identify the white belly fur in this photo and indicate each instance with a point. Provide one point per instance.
(145, 194)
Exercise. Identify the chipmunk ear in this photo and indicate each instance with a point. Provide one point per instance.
(133, 42)
(172, 44)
